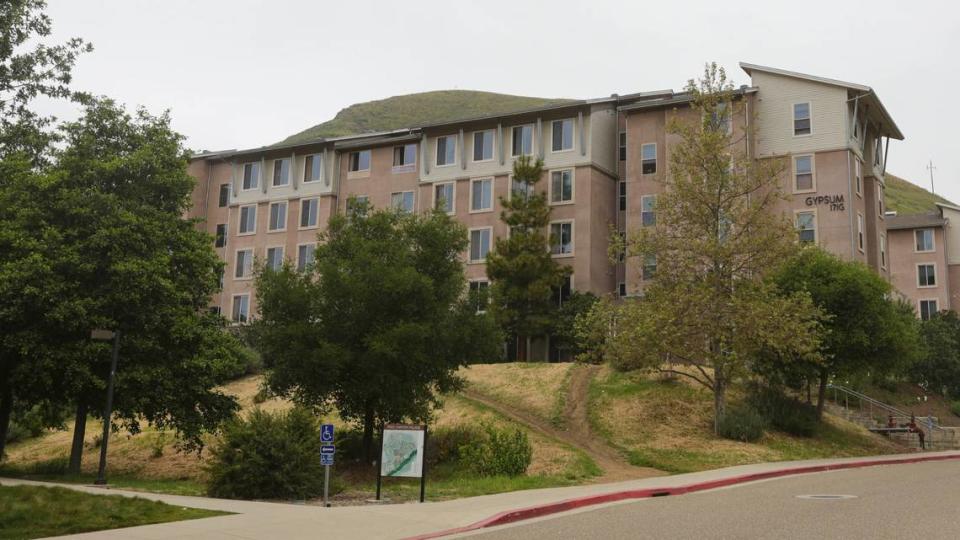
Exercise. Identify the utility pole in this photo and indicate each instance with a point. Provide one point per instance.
(931, 168)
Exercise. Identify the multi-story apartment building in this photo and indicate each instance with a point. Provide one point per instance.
(925, 265)
(602, 159)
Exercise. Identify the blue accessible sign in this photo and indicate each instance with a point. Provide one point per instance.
(326, 433)
(326, 459)
(327, 449)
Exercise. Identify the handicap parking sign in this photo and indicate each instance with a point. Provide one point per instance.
(326, 433)
(326, 459)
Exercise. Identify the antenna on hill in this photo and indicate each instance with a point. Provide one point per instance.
(931, 168)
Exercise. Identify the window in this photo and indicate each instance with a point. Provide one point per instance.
(402, 201)
(309, 208)
(562, 135)
(481, 195)
(648, 158)
(404, 156)
(221, 235)
(480, 293)
(926, 275)
(878, 152)
(244, 266)
(519, 188)
(312, 168)
(807, 227)
(649, 269)
(623, 146)
(251, 176)
(860, 232)
(928, 308)
(224, 195)
(561, 238)
(360, 161)
(623, 246)
(214, 310)
(483, 145)
(443, 197)
(241, 308)
(883, 251)
(720, 118)
(357, 205)
(858, 175)
(924, 240)
(281, 172)
(248, 219)
(446, 150)
(479, 244)
(623, 196)
(305, 256)
(648, 213)
(561, 186)
(880, 200)
(521, 141)
(803, 174)
(278, 216)
(275, 258)
(622, 289)
(562, 294)
(801, 119)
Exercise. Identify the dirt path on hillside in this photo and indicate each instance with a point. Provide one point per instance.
(577, 432)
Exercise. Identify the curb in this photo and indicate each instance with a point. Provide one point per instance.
(512, 516)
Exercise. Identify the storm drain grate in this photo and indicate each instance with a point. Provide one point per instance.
(827, 497)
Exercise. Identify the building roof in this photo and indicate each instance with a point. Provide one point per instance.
(915, 221)
(887, 126)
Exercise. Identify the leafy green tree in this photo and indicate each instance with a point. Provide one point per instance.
(864, 329)
(524, 276)
(717, 236)
(379, 324)
(938, 368)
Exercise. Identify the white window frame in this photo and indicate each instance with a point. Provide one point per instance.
(573, 135)
(656, 160)
(319, 178)
(300, 225)
(237, 266)
(816, 223)
(436, 151)
(286, 216)
(643, 267)
(883, 251)
(453, 201)
(573, 186)
(350, 161)
(254, 180)
(813, 173)
(240, 220)
(481, 280)
(492, 194)
(858, 176)
(533, 139)
(473, 148)
(793, 118)
(413, 205)
(233, 305)
(880, 205)
(532, 188)
(936, 280)
(470, 259)
(654, 211)
(861, 235)
(936, 303)
(573, 242)
(273, 177)
(266, 256)
(933, 240)
(314, 244)
(406, 167)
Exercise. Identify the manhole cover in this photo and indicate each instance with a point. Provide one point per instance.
(827, 497)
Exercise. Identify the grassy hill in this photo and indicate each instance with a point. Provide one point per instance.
(417, 109)
(908, 198)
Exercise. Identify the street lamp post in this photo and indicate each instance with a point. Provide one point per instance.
(108, 410)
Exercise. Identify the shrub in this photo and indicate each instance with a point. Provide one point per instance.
(742, 424)
(955, 408)
(54, 467)
(444, 444)
(268, 456)
(499, 452)
(783, 412)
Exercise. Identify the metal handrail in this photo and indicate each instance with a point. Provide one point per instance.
(880, 405)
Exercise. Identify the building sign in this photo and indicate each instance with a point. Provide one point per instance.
(835, 202)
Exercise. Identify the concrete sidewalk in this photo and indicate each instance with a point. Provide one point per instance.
(261, 520)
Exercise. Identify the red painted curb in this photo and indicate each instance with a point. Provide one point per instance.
(511, 516)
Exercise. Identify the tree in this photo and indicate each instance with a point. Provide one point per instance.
(379, 324)
(938, 368)
(717, 236)
(524, 276)
(864, 329)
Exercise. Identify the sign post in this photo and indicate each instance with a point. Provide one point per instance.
(327, 450)
(402, 454)
(99, 334)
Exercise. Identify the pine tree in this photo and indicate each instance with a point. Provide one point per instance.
(525, 277)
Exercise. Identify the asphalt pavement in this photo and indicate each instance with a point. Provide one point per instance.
(920, 500)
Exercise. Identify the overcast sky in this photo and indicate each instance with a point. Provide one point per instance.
(245, 73)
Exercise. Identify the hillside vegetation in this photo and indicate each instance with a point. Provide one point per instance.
(417, 109)
(908, 198)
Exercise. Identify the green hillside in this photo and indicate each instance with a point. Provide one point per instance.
(908, 198)
(417, 109)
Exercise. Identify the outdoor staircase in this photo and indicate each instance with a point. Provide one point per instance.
(874, 415)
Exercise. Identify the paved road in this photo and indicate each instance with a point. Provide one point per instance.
(919, 500)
